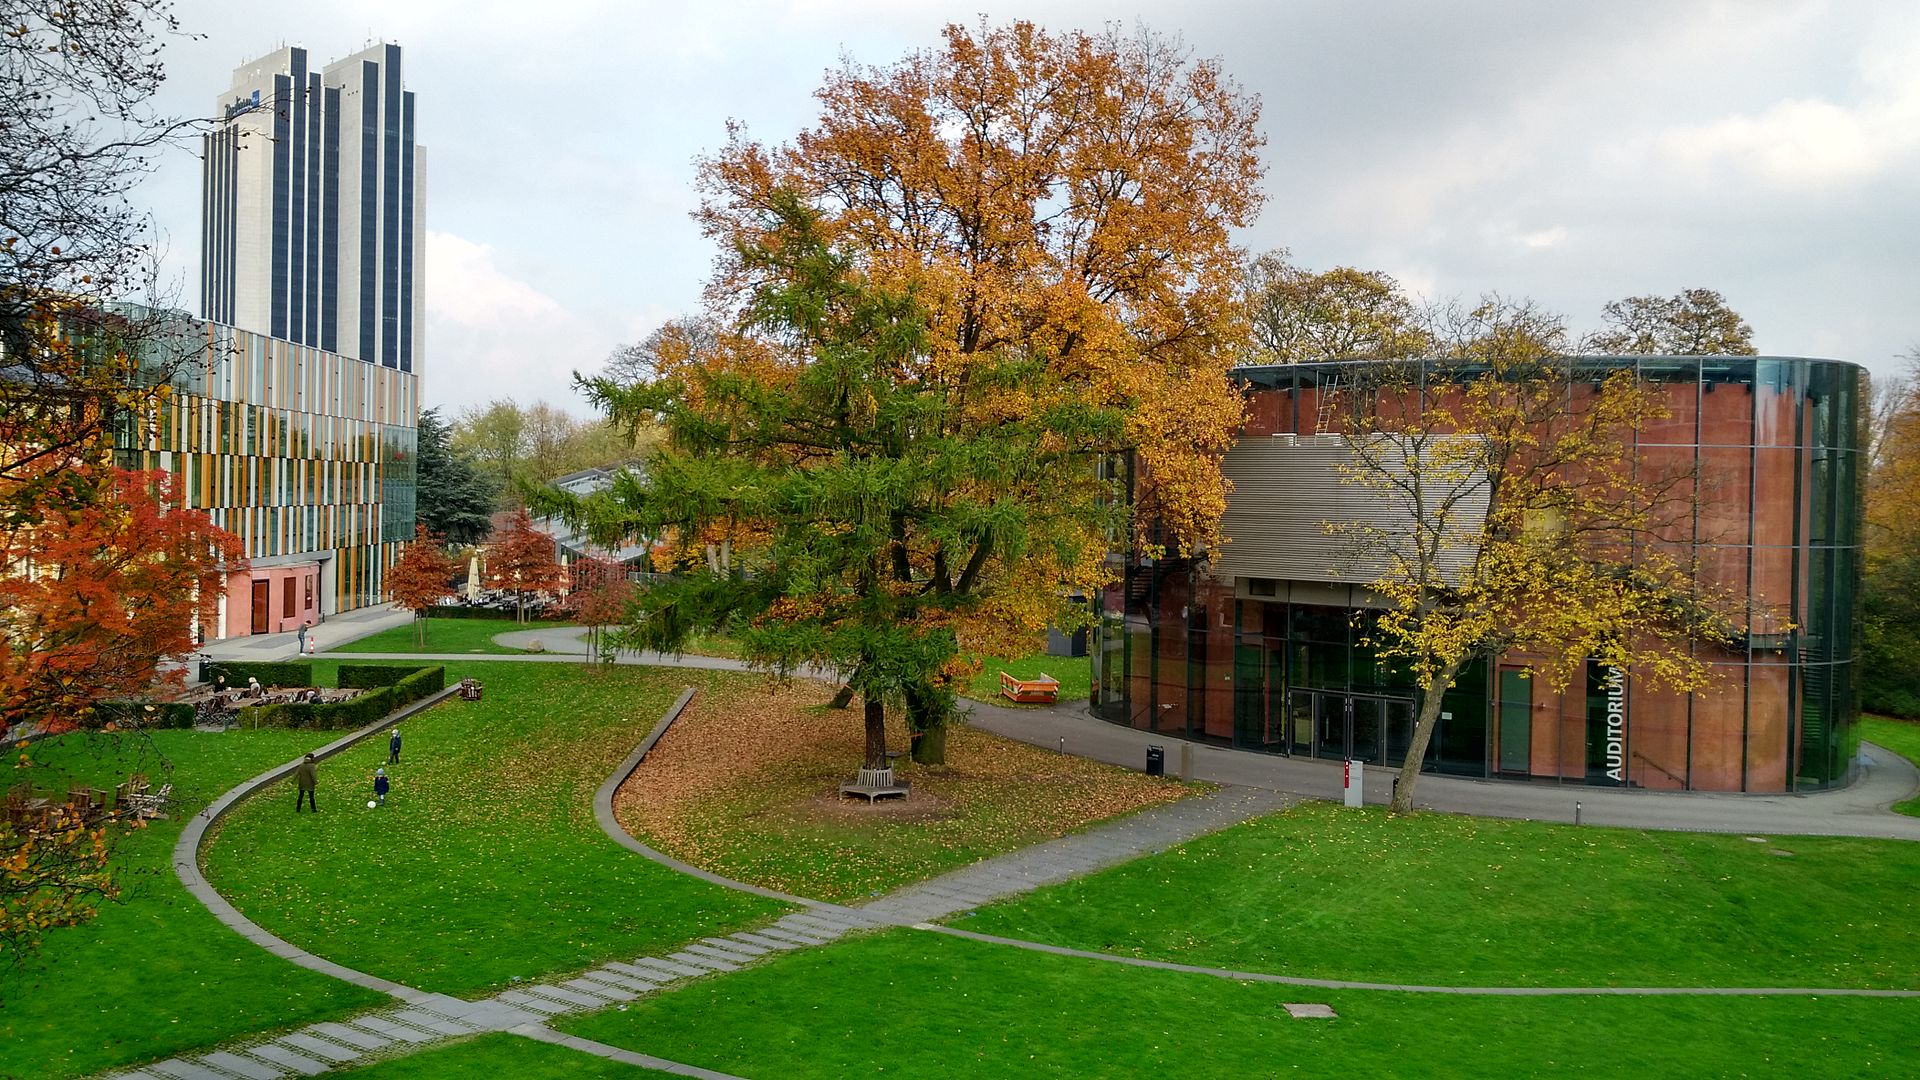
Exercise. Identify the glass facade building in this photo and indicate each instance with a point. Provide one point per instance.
(1270, 664)
(306, 455)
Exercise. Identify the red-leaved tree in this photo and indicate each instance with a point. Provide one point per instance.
(418, 579)
(521, 557)
(98, 591)
(598, 593)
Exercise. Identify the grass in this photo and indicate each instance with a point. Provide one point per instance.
(1074, 672)
(1322, 891)
(1903, 738)
(767, 808)
(510, 1057)
(154, 974)
(909, 1004)
(443, 636)
(487, 862)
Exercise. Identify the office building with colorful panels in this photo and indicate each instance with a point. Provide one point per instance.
(306, 455)
(1260, 644)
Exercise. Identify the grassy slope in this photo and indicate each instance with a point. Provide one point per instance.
(487, 862)
(508, 1057)
(908, 1004)
(156, 974)
(1445, 900)
(443, 636)
(1903, 738)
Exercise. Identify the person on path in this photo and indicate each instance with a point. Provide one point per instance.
(303, 637)
(393, 748)
(306, 777)
(380, 785)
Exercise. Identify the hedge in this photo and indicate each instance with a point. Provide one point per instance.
(368, 676)
(146, 714)
(414, 684)
(269, 672)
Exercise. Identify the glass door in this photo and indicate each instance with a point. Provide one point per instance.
(1516, 721)
(1363, 732)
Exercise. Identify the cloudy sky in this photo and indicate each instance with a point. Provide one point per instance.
(1573, 153)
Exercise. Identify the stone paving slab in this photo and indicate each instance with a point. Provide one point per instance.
(799, 935)
(625, 982)
(239, 1066)
(563, 995)
(653, 975)
(276, 1054)
(321, 1047)
(429, 1022)
(722, 955)
(676, 970)
(545, 1006)
(744, 948)
(384, 1026)
(694, 960)
(356, 1037)
(605, 990)
(762, 939)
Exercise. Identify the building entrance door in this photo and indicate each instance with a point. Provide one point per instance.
(259, 607)
(1354, 726)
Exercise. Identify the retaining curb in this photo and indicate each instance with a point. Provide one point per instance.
(186, 859)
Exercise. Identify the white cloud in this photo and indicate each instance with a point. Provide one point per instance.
(491, 335)
(1541, 239)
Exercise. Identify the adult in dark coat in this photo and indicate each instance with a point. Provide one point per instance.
(306, 778)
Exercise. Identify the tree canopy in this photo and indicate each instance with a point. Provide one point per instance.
(1523, 520)
(455, 500)
(1695, 322)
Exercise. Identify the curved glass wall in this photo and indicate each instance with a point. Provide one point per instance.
(1771, 449)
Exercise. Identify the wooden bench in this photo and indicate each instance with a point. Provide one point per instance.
(1044, 690)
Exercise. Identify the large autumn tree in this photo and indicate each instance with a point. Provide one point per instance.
(1518, 518)
(1693, 322)
(1061, 204)
(1890, 587)
(97, 596)
(599, 594)
(1301, 316)
(873, 523)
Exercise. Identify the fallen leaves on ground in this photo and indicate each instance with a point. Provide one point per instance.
(746, 784)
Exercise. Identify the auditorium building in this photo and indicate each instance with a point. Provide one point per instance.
(1256, 646)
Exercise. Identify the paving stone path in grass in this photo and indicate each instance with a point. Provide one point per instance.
(427, 1020)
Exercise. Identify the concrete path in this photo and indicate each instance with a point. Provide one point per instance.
(336, 630)
(1859, 809)
(571, 640)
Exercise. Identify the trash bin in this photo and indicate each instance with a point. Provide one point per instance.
(1156, 760)
(206, 669)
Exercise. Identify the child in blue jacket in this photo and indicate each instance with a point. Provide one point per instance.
(380, 785)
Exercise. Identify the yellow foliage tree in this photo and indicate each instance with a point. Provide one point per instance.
(1518, 520)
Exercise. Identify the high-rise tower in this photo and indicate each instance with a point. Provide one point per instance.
(313, 201)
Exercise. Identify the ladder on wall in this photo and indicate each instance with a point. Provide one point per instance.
(1327, 399)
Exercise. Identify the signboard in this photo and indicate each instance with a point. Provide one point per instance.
(1606, 724)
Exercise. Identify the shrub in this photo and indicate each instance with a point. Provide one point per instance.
(412, 685)
(368, 676)
(270, 673)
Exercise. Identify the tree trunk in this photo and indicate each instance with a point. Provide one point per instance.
(876, 733)
(1430, 701)
(927, 722)
(419, 629)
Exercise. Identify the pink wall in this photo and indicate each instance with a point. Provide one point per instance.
(279, 617)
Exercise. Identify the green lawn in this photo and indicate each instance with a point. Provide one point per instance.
(508, 1057)
(1439, 899)
(155, 974)
(1074, 672)
(913, 1004)
(1903, 738)
(486, 863)
(443, 636)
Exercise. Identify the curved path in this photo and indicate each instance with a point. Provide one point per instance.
(423, 1018)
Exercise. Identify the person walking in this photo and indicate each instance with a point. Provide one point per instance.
(306, 778)
(380, 785)
(393, 748)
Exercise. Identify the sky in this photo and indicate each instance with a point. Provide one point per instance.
(1570, 153)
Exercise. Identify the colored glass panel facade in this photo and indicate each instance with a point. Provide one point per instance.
(1277, 666)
